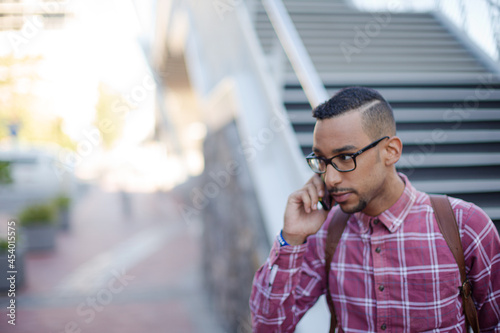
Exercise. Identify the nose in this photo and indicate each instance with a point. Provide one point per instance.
(332, 177)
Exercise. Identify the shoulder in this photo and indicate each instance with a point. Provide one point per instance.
(469, 215)
(466, 213)
(477, 232)
(476, 228)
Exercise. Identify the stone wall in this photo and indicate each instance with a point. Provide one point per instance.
(234, 237)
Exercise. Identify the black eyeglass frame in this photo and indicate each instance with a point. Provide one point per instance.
(328, 161)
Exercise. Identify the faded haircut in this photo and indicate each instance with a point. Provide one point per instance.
(376, 113)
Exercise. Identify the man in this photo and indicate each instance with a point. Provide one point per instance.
(392, 269)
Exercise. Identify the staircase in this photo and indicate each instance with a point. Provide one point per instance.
(445, 93)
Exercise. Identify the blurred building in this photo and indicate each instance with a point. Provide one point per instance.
(251, 71)
(35, 172)
(16, 14)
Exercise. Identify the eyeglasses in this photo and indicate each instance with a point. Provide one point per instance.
(341, 162)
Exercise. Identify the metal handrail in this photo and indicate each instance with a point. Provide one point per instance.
(494, 9)
(296, 52)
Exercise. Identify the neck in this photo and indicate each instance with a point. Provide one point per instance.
(390, 191)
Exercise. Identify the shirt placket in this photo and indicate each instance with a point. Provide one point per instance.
(381, 292)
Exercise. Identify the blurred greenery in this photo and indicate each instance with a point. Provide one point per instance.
(22, 108)
(111, 110)
(39, 214)
(62, 201)
(5, 173)
(4, 245)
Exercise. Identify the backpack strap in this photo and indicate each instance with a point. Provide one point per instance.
(335, 230)
(449, 228)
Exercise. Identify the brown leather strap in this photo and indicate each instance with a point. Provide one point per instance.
(449, 228)
(335, 230)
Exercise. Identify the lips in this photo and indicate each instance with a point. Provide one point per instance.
(341, 197)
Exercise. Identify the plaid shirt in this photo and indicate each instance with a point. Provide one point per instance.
(390, 273)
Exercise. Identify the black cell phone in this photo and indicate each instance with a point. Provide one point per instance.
(326, 200)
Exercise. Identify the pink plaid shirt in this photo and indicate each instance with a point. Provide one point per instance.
(390, 273)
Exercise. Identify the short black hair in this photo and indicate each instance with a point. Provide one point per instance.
(377, 115)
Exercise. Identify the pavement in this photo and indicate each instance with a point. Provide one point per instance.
(129, 263)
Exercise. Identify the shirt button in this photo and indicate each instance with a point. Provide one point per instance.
(376, 221)
(384, 326)
(378, 249)
(381, 287)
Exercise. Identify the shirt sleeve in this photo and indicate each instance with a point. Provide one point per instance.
(481, 245)
(287, 285)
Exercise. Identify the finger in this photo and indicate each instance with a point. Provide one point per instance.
(299, 199)
(306, 200)
(319, 184)
(313, 195)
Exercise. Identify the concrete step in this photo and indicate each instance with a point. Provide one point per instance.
(263, 24)
(365, 57)
(404, 77)
(378, 68)
(304, 117)
(368, 57)
(436, 115)
(374, 42)
(458, 95)
(333, 62)
(450, 136)
(339, 33)
(444, 160)
(334, 49)
(441, 137)
(492, 212)
(458, 186)
(323, 15)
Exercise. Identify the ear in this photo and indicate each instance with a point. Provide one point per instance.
(393, 150)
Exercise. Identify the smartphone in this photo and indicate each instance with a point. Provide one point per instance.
(326, 200)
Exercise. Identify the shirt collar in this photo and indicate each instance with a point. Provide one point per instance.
(393, 217)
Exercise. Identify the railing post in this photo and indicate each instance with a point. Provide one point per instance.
(494, 9)
(463, 14)
(296, 52)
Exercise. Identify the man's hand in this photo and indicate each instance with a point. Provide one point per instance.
(302, 216)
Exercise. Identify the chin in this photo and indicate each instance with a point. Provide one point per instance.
(351, 209)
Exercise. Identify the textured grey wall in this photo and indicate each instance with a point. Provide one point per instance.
(234, 239)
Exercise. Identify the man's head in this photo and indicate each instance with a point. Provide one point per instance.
(376, 114)
(352, 119)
